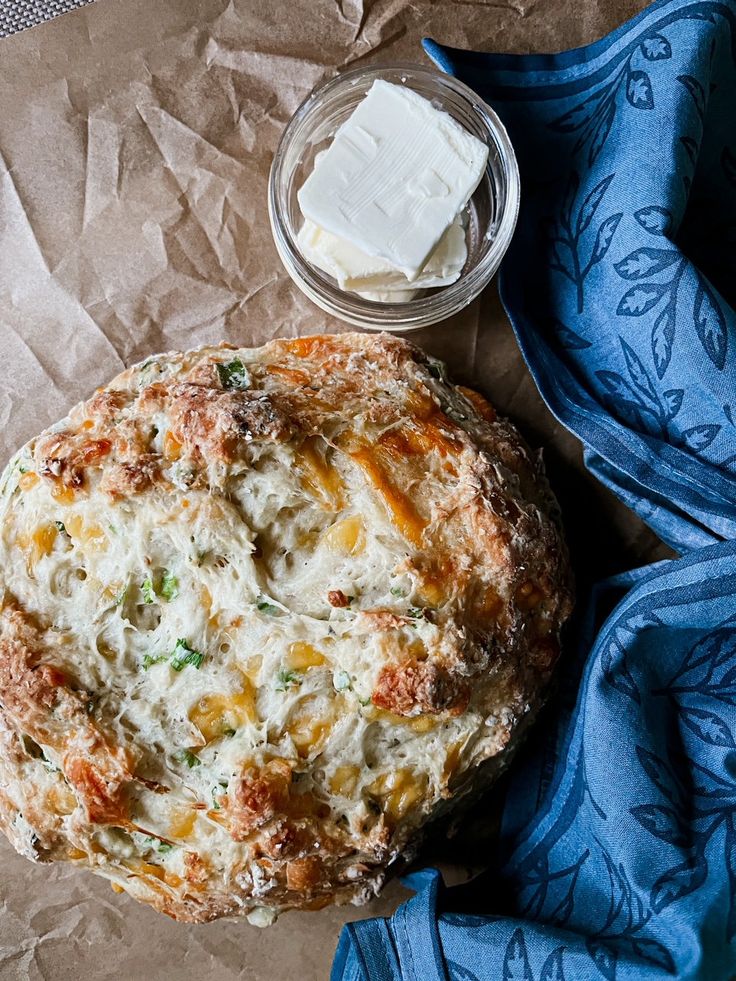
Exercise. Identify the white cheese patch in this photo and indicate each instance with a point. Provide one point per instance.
(397, 174)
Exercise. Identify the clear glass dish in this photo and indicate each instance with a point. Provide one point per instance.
(490, 215)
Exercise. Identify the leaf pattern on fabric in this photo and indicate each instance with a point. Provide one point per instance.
(639, 300)
(567, 231)
(696, 90)
(708, 726)
(616, 670)
(674, 302)
(691, 148)
(700, 437)
(567, 336)
(663, 335)
(705, 677)
(622, 828)
(459, 972)
(662, 822)
(552, 969)
(706, 669)
(656, 48)
(635, 397)
(710, 324)
(645, 262)
(639, 90)
(516, 965)
(678, 882)
(663, 294)
(593, 117)
(654, 219)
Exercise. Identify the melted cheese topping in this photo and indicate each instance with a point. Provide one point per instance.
(268, 582)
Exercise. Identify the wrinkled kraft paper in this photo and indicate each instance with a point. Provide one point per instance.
(135, 143)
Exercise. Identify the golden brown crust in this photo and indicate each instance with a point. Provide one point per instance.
(259, 796)
(416, 687)
(38, 698)
(66, 456)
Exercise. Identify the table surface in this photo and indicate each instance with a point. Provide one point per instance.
(62, 924)
(17, 15)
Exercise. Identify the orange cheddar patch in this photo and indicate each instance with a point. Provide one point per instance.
(63, 494)
(293, 375)
(172, 447)
(28, 480)
(404, 515)
(307, 347)
(303, 656)
(217, 715)
(318, 475)
(481, 405)
(181, 824)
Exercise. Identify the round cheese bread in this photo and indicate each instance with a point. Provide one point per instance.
(265, 612)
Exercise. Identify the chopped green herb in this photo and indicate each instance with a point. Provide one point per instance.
(416, 613)
(268, 608)
(120, 598)
(22, 469)
(147, 364)
(60, 527)
(112, 528)
(233, 374)
(169, 586)
(183, 654)
(364, 701)
(284, 679)
(437, 369)
(150, 659)
(396, 591)
(186, 756)
(164, 846)
(217, 792)
(228, 732)
(149, 593)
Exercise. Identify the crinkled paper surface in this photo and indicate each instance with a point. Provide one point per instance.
(135, 142)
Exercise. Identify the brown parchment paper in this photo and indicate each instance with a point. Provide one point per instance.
(135, 142)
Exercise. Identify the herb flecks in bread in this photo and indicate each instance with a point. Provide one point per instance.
(264, 614)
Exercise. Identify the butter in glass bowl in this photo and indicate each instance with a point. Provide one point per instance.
(408, 245)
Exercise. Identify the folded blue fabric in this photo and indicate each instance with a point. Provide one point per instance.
(618, 850)
(627, 233)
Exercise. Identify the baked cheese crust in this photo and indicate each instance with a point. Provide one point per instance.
(265, 612)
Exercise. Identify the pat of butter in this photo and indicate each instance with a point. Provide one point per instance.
(356, 270)
(394, 178)
(381, 296)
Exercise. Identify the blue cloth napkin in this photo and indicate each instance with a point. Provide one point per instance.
(618, 846)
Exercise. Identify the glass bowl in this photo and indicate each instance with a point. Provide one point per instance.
(490, 215)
